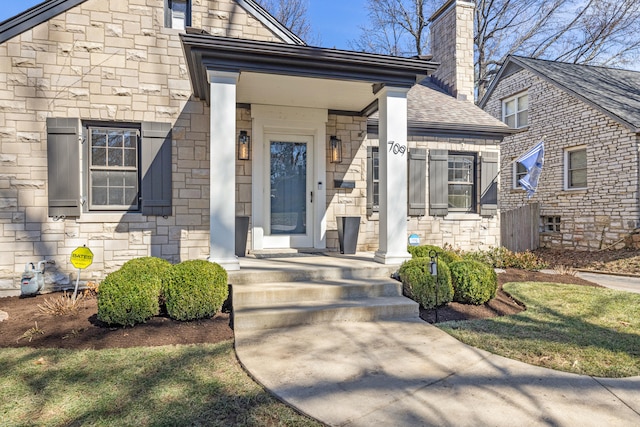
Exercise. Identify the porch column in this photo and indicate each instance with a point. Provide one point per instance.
(392, 107)
(222, 153)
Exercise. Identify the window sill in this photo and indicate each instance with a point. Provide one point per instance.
(93, 217)
(462, 217)
(575, 190)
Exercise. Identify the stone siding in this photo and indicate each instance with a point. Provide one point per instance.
(461, 231)
(603, 215)
(111, 61)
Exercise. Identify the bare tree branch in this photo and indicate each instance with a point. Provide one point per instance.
(293, 14)
(601, 32)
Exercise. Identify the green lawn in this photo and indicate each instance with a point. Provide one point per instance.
(580, 329)
(144, 386)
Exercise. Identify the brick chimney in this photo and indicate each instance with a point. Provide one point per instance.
(452, 46)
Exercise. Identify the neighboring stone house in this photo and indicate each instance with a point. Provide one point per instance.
(145, 127)
(589, 119)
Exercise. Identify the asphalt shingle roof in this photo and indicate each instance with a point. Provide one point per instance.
(431, 107)
(612, 90)
(429, 103)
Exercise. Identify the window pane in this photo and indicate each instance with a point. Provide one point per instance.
(130, 157)
(460, 196)
(98, 157)
(510, 121)
(178, 14)
(115, 139)
(115, 157)
(376, 194)
(116, 196)
(510, 107)
(99, 196)
(578, 159)
(523, 119)
(523, 102)
(130, 140)
(578, 178)
(131, 196)
(98, 138)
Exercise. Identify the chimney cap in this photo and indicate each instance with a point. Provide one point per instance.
(447, 5)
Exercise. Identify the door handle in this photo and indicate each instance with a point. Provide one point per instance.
(312, 197)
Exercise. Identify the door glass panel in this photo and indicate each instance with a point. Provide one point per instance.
(288, 188)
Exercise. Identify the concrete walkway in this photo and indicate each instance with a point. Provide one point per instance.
(621, 283)
(409, 373)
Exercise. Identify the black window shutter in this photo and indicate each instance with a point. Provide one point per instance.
(63, 167)
(156, 169)
(369, 181)
(489, 183)
(438, 182)
(417, 182)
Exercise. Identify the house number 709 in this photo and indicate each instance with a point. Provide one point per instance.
(396, 148)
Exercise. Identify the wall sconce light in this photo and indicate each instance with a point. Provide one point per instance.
(336, 150)
(244, 146)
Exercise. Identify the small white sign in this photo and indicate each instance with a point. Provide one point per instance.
(414, 240)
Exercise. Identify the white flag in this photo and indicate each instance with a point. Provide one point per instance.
(532, 160)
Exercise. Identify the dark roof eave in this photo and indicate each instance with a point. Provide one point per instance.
(425, 128)
(204, 52)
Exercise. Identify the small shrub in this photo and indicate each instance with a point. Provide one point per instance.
(419, 285)
(30, 333)
(194, 289)
(148, 265)
(473, 282)
(132, 294)
(425, 251)
(91, 289)
(61, 305)
(565, 270)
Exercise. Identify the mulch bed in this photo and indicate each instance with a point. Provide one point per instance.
(83, 330)
(502, 304)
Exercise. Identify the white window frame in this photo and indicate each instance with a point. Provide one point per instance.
(567, 153)
(518, 110)
(472, 183)
(90, 168)
(171, 19)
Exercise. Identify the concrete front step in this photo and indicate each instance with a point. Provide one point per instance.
(275, 293)
(297, 273)
(310, 312)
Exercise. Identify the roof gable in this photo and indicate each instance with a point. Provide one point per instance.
(612, 91)
(48, 9)
(35, 16)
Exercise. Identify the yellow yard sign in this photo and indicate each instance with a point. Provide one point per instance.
(81, 257)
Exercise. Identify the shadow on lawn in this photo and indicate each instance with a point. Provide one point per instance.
(184, 385)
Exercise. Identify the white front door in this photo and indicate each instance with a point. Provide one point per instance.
(288, 187)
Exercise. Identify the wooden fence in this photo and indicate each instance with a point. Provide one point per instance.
(519, 228)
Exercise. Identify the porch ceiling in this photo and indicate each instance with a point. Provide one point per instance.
(293, 91)
(299, 76)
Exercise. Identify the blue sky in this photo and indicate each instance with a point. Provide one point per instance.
(335, 21)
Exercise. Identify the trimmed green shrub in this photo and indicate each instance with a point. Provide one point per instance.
(424, 251)
(419, 285)
(194, 289)
(131, 295)
(473, 282)
(501, 257)
(148, 265)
